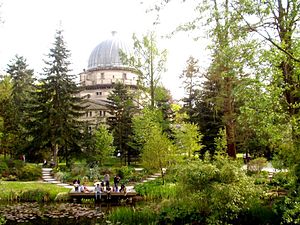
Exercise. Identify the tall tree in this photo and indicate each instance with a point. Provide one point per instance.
(56, 109)
(149, 61)
(6, 113)
(122, 109)
(190, 77)
(22, 89)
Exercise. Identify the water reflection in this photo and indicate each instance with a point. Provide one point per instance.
(54, 214)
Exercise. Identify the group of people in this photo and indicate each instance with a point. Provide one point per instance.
(101, 187)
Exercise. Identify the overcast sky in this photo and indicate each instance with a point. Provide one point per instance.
(29, 27)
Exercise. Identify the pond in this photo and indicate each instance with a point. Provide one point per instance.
(55, 214)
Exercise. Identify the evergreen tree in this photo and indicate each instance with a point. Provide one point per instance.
(190, 77)
(56, 110)
(122, 109)
(5, 115)
(21, 93)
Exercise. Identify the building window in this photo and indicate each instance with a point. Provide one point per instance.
(91, 114)
(104, 113)
(100, 113)
(102, 75)
(124, 76)
(98, 93)
(87, 114)
(113, 76)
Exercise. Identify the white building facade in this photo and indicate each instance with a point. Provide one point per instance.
(105, 68)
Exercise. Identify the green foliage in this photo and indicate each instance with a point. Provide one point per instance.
(187, 139)
(3, 168)
(56, 108)
(21, 94)
(149, 61)
(132, 216)
(256, 165)
(219, 191)
(124, 172)
(143, 124)
(284, 180)
(104, 144)
(155, 190)
(221, 142)
(158, 151)
(79, 170)
(30, 172)
(18, 170)
(34, 195)
(122, 109)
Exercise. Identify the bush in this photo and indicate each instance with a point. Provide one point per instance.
(124, 172)
(30, 172)
(219, 191)
(79, 170)
(283, 179)
(3, 168)
(256, 165)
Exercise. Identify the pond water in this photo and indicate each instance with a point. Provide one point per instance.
(55, 214)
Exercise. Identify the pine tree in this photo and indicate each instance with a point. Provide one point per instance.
(21, 93)
(122, 109)
(56, 111)
(190, 77)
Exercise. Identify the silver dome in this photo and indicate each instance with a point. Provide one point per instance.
(106, 54)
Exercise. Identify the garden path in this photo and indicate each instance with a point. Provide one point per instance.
(48, 178)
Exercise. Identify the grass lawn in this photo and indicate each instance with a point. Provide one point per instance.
(10, 189)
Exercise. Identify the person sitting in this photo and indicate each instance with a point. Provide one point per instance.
(84, 189)
(76, 187)
(102, 186)
(123, 189)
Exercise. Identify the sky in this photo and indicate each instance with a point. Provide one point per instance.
(29, 27)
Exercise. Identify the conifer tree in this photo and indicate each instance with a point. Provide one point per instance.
(21, 93)
(122, 109)
(55, 119)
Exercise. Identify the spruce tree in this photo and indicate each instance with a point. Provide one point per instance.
(122, 109)
(21, 93)
(56, 114)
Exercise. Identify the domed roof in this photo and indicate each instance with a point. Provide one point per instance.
(106, 54)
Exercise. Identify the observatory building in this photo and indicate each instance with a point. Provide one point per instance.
(105, 68)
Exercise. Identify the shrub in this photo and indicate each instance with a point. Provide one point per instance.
(155, 190)
(256, 165)
(79, 170)
(124, 172)
(30, 172)
(283, 179)
(219, 191)
(3, 168)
